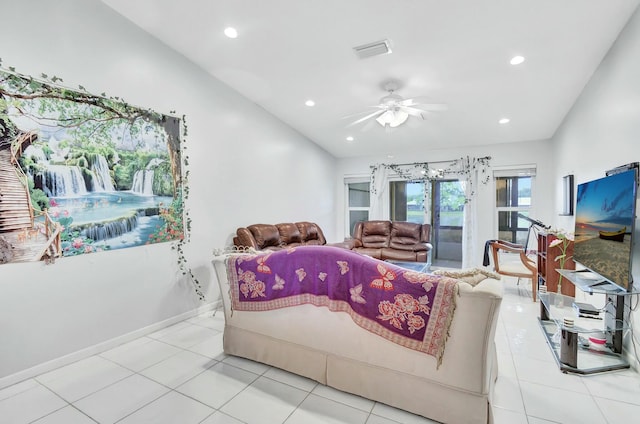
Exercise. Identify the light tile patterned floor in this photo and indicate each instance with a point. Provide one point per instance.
(179, 375)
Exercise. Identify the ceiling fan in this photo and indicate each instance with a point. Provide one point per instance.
(394, 110)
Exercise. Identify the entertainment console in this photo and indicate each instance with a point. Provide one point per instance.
(568, 332)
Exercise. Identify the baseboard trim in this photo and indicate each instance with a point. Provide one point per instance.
(102, 347)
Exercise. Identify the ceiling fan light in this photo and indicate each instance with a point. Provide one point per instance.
(385, 118)
(399, 118)
(517, 60)
(231, 32)
(392, 118)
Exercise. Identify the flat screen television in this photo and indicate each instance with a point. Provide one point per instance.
(604, 226)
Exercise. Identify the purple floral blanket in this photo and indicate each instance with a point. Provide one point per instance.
(407, 307)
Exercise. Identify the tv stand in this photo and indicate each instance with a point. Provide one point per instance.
(570, 344)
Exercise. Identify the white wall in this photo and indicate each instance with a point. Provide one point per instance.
(602, 131)
(502, 155)
(246, 167)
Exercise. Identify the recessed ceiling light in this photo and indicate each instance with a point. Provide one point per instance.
(310, 103)
(504, 121)
(390, 156)
(516, 60)
(350, 138)
(231, 32)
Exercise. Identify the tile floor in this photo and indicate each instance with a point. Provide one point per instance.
(179, 375)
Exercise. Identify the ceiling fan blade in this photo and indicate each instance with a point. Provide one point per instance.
(407, 102)
(353, 115)
(364, 118)
(368, 125)
(419, 99)
(431, 106)
(412, 111)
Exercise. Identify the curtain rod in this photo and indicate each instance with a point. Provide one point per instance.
(427, 163)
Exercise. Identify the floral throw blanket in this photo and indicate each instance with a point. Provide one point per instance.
(407, 307)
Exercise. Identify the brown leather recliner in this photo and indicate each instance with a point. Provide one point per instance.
(395, 240)
(279, 236)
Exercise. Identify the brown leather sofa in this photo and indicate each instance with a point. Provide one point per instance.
(395, 240)
(282, 236)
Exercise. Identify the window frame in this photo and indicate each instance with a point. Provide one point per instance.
(513, 172)
(348, 208)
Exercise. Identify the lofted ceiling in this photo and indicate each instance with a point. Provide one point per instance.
(455, 52)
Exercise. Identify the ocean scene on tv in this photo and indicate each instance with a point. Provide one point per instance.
(605, 214)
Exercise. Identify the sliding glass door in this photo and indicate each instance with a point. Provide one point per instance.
(406, 200)
(445, 209)
(448, 219)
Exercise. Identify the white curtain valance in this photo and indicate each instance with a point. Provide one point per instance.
(471, 170)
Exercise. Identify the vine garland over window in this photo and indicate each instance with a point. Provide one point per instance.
(422, 171)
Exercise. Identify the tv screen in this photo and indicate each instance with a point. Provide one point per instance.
(605, 217)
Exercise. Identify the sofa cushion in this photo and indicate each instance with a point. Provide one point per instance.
(244, 238)
(310, 233)
(289, 233)
(472, 276)
(406, 236)
(369, 251)
(375, 234)
(266, 235)
(398, 255)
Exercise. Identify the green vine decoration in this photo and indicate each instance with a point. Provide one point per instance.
(179, 245)
(91, 122)
(422, 171)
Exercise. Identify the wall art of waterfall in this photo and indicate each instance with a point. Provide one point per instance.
(143, 182)
(108, 172)
(67, 181)
(110, 218)
(115, 219)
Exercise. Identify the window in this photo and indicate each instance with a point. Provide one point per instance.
(513, 197)
(567, 195)
(406, 201)
(357, 204)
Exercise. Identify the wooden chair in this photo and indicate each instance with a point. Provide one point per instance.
(511, 259)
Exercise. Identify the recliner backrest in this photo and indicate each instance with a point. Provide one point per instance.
(311, 233)
(374, 234)
(406, 236)
(266, 235)
(289, 233)
(244, 238)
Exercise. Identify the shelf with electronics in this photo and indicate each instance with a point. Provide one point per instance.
(584, 338)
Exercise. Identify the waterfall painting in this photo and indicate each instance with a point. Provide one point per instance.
(81, 173)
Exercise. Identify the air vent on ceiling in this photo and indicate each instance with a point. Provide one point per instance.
(373, 49)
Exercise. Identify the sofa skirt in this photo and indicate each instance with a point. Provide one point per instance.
(430, 399)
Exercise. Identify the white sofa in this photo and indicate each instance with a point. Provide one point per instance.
(330, 348)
